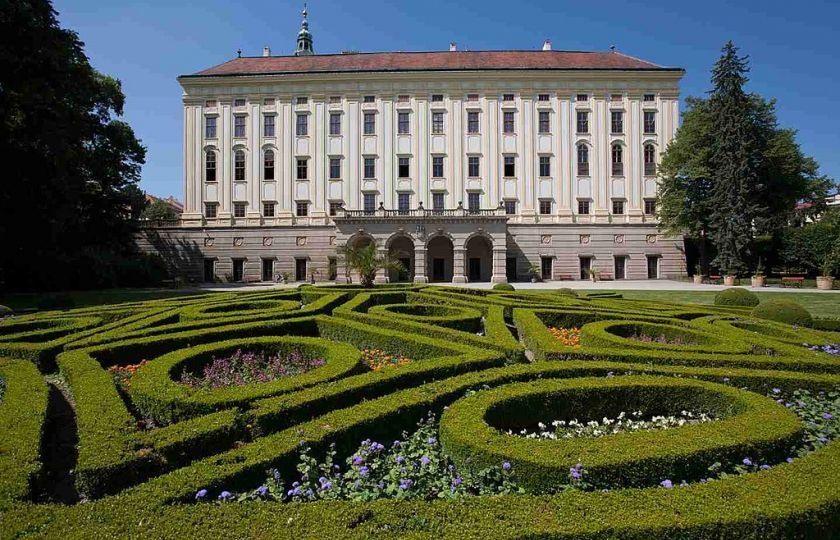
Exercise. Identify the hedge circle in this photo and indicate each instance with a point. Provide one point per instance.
(235, 309)
(460, 318)
(659, 336)
(736, 296)
(784, 312)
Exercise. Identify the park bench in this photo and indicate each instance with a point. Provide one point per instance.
(566, 277)
(605, 276)
(714, 280)
(792, 281)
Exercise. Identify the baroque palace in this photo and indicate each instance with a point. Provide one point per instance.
(466, 165)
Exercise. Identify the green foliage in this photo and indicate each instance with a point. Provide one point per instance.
(159, 209)
(366, 260)
(736, 296)
(75, 164)
(784, 312)
(503, 287)
(565, 291)
(831, 262)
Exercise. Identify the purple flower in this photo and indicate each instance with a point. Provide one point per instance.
(200, 494)
(574, 473)
(827, 416)
(302, 443)
(396, 443)
(726, 379)
(308, 493)
(364, 471)
(747, 461)
(358, 460)
(456, 481)
(667, 484)
(764, 467)
(610, 374)
(405, 483)
(262, 491)
(789, 460)
(225, 495)
(425, 461)
(506, 465)
(432, 441)
(400, 460)
(777, 390)
(822, 439)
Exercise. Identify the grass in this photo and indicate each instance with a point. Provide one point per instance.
(71, 299)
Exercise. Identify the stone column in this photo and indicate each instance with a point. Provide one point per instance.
(420, 263)
(499, 260)
(382, 275)
(458, 266)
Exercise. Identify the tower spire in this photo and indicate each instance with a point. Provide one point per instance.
(304, 37)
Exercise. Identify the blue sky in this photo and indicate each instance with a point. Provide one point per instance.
(147, 44)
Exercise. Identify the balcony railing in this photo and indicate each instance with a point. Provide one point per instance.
(419, 212)
(617, 169)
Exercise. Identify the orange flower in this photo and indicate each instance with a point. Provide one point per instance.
(569, 337)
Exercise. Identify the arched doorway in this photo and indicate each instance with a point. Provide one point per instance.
(402, 248)
(357, 241)
(478, 259)
(439, 257)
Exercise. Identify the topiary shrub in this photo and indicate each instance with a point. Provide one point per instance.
(565, 291)
(736, 296)
(784, 312)
(503, 287)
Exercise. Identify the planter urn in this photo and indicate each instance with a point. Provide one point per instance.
(825, 283)
(698, 279)
(729, 281)
(758, 281)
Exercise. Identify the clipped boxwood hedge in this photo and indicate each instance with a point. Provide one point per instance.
(736, 296)
(784, 312)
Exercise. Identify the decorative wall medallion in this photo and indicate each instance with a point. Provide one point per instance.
(546, 239)
(209, 242)
(618, 239)
(584, 239)
(301, 241)
(237, 240)
(651, 239)
(332, 240)
(267, 240)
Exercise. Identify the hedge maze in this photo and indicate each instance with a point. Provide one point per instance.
(486, 364)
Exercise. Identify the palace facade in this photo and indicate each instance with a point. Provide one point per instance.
(466, 165)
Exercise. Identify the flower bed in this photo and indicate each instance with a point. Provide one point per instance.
(247, 367)
(623, 423)
(377, 359)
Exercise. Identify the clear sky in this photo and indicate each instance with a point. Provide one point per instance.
(146, 44)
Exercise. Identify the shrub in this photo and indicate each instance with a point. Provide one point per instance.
(565, 291)
(783, 311)
(736, 296)
(503, 287)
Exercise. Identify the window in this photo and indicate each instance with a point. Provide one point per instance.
(585, 267)
(403, 202)
(507, 97)
(210, 103)
(210, 270)
(510, 166)
(302, 100)
(510, 207)
(302, 169)
(437, 166)
(334, 208)
(650, 160)
(583, 160)
(268, 125)
(369, 202)
(653, 266)
(582, 122)
(650, 207)
(403, 98)
(583, 207)
(370, 99)
(617, 160)
(239, 165)
(402, 168)
(334, 100)
(620, 266)
(302, 209)
(472, 97)
(618, 207)
(437, 122)
(238, 126)
(472, 167)
(545, 207)
(238, 102)
(649, 97)
(269, 102)
(545, 165)
(508, 122)
(210, 166)
(437, 201)
(302, 126)
(211, 209)
(335, 123)
(332, 268)
(268, 209)
(268, 269)
(238, 269)
(402, 123)
(616, 97)
(472, 122)
(370, 167)
(617, 122)
(545, 267)
(370, 123)
(335, 168)
(239, 210)
(268, 165)
(545, 122)
(437, 98)
(210, 127)
(473, 201)
(543, 97)
(582, 98)
(650, 122)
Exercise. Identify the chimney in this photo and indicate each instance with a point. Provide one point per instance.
(453, 47)
(266, 51)
(547, 45)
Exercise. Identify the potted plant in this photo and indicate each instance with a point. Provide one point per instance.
(729, 280)
(759, 279)
(698, 277)
(593, 275)
(825, 281)
(535, 272)
(285, 276)
(313, 273)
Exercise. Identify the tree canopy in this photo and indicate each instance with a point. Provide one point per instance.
(71, 165)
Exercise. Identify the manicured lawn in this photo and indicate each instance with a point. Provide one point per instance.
(71, 299)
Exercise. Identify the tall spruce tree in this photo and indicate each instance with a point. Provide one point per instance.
(70, 165)
(736, 161)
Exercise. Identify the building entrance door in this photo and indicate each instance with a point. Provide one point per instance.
(620, 267)
(238, 269)
(474, 269)
(437, 269)
(403, 274)
(300, 269)
(510, 268)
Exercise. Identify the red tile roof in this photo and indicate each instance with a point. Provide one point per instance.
(431, 61)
